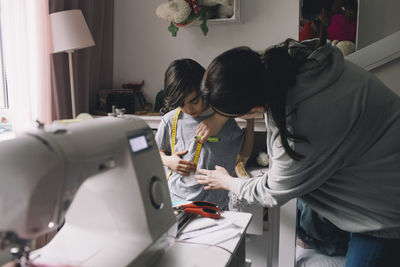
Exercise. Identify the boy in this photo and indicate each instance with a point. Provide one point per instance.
(182, 88)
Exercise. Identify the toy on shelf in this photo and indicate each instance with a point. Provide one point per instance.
(347, 47)
(159, 104)
(146, 107)
(262, 159)
(121, 98)
(137, 90)
(130, 99)
(240, 167)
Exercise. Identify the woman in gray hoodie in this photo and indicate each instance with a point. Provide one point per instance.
(333, 138)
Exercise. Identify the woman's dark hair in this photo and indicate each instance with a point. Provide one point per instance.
(182, 77)
(240, 79)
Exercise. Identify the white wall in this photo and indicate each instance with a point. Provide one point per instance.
(377, 19)
(143, 47)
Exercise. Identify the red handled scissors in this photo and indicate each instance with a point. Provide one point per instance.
(203, 208)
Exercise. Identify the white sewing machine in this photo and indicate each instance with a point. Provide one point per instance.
(101, 180)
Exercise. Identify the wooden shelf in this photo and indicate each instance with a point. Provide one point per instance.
(154, 121)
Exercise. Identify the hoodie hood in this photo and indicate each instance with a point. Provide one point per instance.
(320, 68)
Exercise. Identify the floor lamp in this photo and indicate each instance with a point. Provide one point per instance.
(70, 32)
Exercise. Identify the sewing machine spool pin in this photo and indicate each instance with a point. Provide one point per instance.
(21, 254)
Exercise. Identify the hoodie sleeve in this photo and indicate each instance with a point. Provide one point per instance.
(286, 178)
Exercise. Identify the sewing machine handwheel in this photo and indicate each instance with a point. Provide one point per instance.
(156, 192)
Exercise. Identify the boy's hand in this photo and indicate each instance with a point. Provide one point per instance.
(181, 166)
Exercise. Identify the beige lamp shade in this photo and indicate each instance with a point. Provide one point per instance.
(70, 31)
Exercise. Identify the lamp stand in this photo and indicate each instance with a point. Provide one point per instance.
(71, 82)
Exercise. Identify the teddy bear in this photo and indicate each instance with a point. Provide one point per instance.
(347, 47)
(181, 13)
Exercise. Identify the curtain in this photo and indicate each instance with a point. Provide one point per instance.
(93, 67)
(26, 49)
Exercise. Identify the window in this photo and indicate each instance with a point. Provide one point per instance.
(3, 84)
(5, 126)
(25, 41)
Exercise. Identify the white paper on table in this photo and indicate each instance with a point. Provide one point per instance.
(216, 237)
(199, 223)
(203, 231)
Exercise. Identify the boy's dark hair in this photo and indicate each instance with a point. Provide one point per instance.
(182, 77)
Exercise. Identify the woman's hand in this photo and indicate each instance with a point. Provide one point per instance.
(217, 179)
(210, 127)
(176, 163)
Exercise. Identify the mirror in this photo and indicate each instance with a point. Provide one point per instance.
(338, 17)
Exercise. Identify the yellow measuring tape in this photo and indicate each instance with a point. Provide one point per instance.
(173, 134)
(197, 153)
(173, 140)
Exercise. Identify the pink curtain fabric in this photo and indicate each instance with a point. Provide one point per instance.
(93, 67)
(44, 47)
(26, 49)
